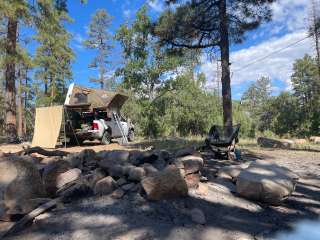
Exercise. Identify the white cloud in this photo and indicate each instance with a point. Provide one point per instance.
(278, 66)
(291, 13)
(289, 23)
(127, 13)
(156, 5)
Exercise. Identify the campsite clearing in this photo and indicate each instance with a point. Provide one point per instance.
(227, 216)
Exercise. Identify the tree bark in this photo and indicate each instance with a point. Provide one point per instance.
(20, 106)
(11, 123)
(225, 65)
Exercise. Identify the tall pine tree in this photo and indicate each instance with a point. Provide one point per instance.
(99, 40)
(212, 24)
(53, 56)
(14, 12)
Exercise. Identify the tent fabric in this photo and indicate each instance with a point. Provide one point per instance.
(47, 126)
(97, 98)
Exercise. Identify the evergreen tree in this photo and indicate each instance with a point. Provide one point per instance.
(53, 56)
(209, 24)
(13, 12)
(99, 39)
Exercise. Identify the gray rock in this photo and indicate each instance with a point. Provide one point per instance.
(190, 163)
(136, 174)
(20, 183)
(149, 169)
(116, 171)
(160, 164)
(105, 186)
(128, 187)
(50, 174)
(118, 155)
(168, 183)
(67, 177)
(118, 193)
(121, 181)
(265, 181)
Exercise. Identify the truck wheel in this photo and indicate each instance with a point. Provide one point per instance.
(131, 136)
(106, 138)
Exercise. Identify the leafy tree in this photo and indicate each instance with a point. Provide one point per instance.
(53, 56)
(99, 39)
(209, 24)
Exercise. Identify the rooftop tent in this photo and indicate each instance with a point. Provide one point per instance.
(48, 120)
(96, 98)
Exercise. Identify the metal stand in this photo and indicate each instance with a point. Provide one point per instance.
(124, 137)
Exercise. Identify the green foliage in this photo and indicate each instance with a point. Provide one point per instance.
(99, 40)
(297, 113)
(53, 56)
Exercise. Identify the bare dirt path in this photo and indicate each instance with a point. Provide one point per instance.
(228, 216)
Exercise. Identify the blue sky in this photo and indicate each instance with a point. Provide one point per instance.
(288, 26)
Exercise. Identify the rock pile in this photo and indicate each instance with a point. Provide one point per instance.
(155, 175)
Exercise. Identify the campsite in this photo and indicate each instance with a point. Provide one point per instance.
(156, 119)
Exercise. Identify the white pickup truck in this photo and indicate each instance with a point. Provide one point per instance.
(95, 114)
(102, 126)
(105, 130)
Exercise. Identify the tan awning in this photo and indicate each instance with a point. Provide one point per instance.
(47, 126)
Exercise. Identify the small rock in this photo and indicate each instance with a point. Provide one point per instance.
(160, 164)
(67, 177)
(128, 187)
(116, 171)
(198, 216)
(105, 186)
(149, 169)
(118, 155)
(127, 168)
(136, 174)
(121, 181)
(118, 193)
(190, 163)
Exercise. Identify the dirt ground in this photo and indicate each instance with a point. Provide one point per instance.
(227, 215)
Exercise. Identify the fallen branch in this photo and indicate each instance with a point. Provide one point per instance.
(18, 226)
(43, 152)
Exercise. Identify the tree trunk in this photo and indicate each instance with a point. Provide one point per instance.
(11, 124)
(225, 65)
(20, 106)
(25, 103)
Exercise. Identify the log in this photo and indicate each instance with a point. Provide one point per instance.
(18, 226)
(43, 152)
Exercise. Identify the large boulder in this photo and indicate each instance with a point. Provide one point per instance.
(273, 143)
(168, 183)
(20, 185)
(315, 139)
(51, 173)
(190, 163)
(266, 182)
